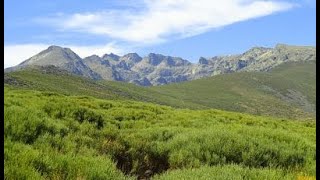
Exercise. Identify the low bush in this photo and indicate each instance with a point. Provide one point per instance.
(52, 136)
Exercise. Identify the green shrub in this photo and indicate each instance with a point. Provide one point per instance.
(50, 136)
(225, 172)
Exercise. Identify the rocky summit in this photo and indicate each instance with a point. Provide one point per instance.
(157, 69)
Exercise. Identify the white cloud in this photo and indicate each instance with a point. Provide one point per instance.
(160, 20)
(84, 51)
(15, 54)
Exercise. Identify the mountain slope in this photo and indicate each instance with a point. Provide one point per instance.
(101, 66)
(64, 58)
(259, 59)
(157, 69)
(289, 90)
(286, 91)
(53, 79)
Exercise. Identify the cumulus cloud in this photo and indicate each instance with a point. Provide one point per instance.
(159, 20)
(15, 54)
(84, 51)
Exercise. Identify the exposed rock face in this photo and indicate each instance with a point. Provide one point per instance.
(101, 66)
(157, 69)
(203, 60)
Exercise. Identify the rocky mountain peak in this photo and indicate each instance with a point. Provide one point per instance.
(61, 50)
(203, 60)
(111, 56)
(159, 59)
(93, 57)
(256, 51)
(63, 58)
(53, 55)
(155, 59)
(280, 45)
(134, 57)
(54, 47)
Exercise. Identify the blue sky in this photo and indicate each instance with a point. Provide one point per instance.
(184, 28)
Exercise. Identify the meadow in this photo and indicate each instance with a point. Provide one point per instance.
(53, 135)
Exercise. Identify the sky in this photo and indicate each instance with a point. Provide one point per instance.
(185, 28)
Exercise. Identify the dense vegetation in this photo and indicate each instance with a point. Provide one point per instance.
(50, 135)
(287, 91)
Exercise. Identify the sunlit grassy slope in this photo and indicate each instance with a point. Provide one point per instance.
(62, 82)
(49, 135)
(287, 91)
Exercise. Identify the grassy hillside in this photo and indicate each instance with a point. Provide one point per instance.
(52, 136)
(62, 82)
(287, 91)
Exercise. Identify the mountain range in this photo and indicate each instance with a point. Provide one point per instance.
(157, 69)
